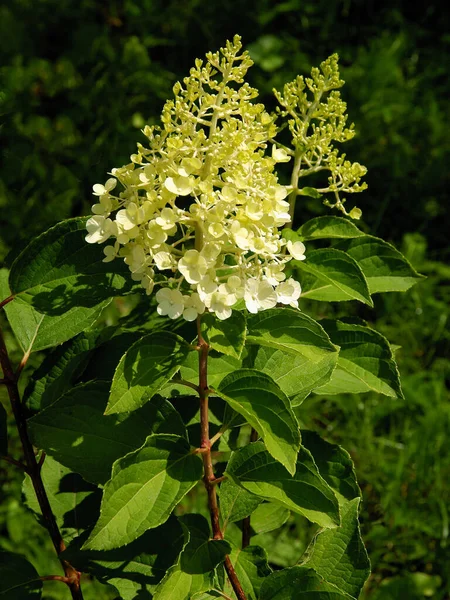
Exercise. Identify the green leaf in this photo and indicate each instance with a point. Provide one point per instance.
(336, 277)
(137, 568)
(385, 268)
(328, 228)
(298, 583)
(335, 465)
(339, 556)
(299, 336)
(35, 331)
(144, 369)
(235, 503)
(269, 516)
(104, 359)
(57, 372)
(227, 336)
(251, 568)
(293, 373)
(59, 270)
(193, 574)
(145, 487)
(77, 434)
(74, 502)
(3, 430)
(306, 493)
(178, 585)
(218, 367)
(309, 191)
(19, 580)
(201, 554)
(365, 363)
(256, 397)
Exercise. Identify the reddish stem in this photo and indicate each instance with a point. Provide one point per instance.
(205, 443)
(72, 576)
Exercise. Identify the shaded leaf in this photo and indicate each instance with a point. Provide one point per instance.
(256, 397)
(144, 369)
(193, 574)
(335, 465)
(306, 493)
(19, 580)
(201, 554)
(77, 434)
(3, 430)
(74, 502)
(57, 372)
(59, 270)
(137, 568)
(145, 487)
(36, 331)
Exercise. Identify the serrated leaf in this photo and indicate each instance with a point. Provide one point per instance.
(36, 331)
(3, 431)
(227, 337)
(385, 268)
(306, 493)
(77, 434)
(144, 369)
(57, 372)
(19, 580)
(339, 556)
(235, 503)
(337, 277)
(365, 363)
(251, 568)
(74, 502)
(328, 228)
(335, 465)
(268, 516)
(256, 397)
(302, 340)
(298, 583)
(137, 568)
(59, 270)
(145, 487)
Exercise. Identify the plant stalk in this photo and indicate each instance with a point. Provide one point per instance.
(72, 576)
(205, 444)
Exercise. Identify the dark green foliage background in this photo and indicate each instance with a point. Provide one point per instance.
(78, 80)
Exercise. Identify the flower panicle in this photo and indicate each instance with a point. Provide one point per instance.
(201, 202)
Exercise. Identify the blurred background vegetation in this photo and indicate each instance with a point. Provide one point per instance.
(78, 80)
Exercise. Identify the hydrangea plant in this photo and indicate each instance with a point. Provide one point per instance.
(155, 414)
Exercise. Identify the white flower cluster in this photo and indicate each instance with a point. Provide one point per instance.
(203, 202)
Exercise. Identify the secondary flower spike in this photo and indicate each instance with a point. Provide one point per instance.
(202, 204)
